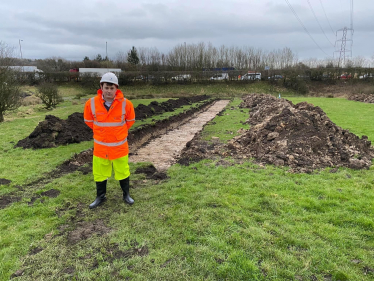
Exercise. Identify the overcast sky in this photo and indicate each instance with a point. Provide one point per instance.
(73, 29)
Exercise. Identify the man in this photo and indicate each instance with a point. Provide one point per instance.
(110, 116)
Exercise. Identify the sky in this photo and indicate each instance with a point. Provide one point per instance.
(73, 29)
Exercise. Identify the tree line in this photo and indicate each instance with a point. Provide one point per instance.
(195, 57)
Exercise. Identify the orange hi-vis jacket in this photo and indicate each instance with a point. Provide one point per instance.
(110, 128)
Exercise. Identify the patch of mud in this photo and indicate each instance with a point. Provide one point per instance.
(159, 176)
(36, 250)
(197, 150)
(85, 230)
(366, 98)
(76, 163)
(68, 270)
(53, 131)
(368, 270)
(5, 182)
(6, 200)
(52, 193)
(166, 263)
(114, 253)
(300, 136)
(151, 172)
(147, 170)
(18, 273)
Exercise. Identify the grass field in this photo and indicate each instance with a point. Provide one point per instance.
(212, 220)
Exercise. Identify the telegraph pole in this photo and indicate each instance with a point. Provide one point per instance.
(20, 50)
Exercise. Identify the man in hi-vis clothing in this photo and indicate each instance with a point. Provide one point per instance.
(110, 115)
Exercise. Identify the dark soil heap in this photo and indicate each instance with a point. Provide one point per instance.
(300, 136)
(54, 131)
(362, 98)
(145, 111)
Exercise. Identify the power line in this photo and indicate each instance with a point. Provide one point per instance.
(306, 30)
(327, 17)
(310, 6)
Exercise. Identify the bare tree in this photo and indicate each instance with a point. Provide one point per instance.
(9, 87)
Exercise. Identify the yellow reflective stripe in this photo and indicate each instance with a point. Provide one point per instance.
(123, 110)
(111, 144)
(108, 124)
(93, 107)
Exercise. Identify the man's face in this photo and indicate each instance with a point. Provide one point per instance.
(109, 92)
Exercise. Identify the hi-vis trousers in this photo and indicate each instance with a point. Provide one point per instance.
(102, 168)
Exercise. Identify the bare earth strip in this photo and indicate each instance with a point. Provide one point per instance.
(162, 151)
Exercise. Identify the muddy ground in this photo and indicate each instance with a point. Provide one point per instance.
(53, 131)
(300, 136)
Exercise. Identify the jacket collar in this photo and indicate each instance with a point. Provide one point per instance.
(119, 95)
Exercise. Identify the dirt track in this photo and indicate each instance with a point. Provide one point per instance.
(162, 151)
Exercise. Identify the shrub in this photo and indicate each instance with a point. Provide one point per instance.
(49, 95)
(298, 85)
(31, 100)
(90, 83)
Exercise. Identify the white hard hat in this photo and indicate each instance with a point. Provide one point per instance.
(109, 77)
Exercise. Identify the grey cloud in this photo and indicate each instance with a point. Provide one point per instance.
(165, 23)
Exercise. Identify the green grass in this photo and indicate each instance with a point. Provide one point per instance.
(208, 221)
(217, 89)
(226, 126)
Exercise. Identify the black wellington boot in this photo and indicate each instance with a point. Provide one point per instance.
(125, 185)
(100, 197)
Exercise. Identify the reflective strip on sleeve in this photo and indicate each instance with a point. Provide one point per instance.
(88, 120)
(93, 108)
(111, 144)
(109, 124)
(130, 120)
(123, 110)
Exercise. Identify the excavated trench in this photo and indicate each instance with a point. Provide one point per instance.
(163, 151)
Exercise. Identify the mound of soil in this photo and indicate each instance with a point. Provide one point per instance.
(300, 136)
(145, 111)
(362, 98)
(54, 131)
